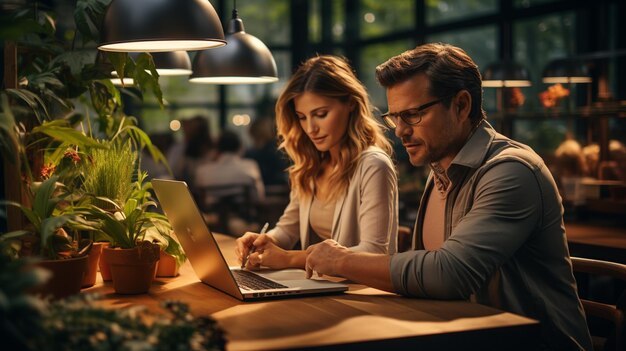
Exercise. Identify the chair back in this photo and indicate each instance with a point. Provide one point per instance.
(223, 202)
(611, 338)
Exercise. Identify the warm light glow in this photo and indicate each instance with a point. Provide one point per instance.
(161, 45)
(175, 125)
(564, 80)
(165, 72)
(506, 83)
(173, 72)
(241, 120)
(369, 17)
(233, 80)
(127, 82)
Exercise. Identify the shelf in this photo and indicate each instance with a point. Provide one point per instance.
(614, 109)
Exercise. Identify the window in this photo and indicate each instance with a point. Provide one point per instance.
(382, 17)
(438, 11)
(537, 41)
(372, 56)
(267, 20)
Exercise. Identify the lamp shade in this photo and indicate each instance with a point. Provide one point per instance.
(160, 25)
(566, 71)
(245, 60)
(506, 74)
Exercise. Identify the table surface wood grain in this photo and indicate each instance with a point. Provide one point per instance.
(362, 318)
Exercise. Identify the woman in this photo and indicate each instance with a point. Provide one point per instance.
(343, 183)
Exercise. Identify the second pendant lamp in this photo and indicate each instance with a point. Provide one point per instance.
(244, 59)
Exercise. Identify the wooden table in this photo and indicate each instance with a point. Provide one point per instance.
(362, 318)
(596, 241)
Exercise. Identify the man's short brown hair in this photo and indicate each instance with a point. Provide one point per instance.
(448, 68)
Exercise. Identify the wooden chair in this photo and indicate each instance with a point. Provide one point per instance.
(614, 314)
(220, 203)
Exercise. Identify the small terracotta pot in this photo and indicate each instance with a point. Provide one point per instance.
(67, 277)
(92, 264)
(133, 269)
(167, 266)
(103, 265)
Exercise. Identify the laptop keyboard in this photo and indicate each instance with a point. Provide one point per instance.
(253, 281)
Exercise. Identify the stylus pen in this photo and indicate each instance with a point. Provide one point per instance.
(253, 248)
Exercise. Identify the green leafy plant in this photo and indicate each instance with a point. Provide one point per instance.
(47, 217)
(39, 115)
(131, 222)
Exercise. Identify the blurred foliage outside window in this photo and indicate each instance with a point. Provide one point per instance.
(384, 17)
(529, 3)
(338, 18)
(267, 20)
(438, 11)
(372, 56)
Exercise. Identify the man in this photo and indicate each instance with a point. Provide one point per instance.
(490, 224)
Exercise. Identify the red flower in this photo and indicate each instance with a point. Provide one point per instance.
(73, 155)
(47, 170)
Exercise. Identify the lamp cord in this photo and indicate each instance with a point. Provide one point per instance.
(235, 14)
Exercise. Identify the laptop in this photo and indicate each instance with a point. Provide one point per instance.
(209, 264)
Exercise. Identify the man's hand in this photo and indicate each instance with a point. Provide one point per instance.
(325, 258)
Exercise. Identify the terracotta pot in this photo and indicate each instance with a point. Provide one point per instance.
(133, 269)
(92, 264)
(103, 265)
(67, 277)
(167, 266)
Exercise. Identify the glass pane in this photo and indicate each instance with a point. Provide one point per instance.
(267, 20)
(438, 11)
(480, 45)
(537, 42)
(382, 17)
(179, 90)
(339, 19)
(372, 56)
(529, 3)
(155, 120)
(315, 21)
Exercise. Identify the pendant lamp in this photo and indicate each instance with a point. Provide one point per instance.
(160, 25)
(506, 74)
(245, 60)
(566, 71)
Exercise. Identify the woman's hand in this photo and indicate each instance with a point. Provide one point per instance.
(244, 245)
(268, 254)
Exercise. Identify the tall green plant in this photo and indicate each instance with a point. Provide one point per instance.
(110, 172)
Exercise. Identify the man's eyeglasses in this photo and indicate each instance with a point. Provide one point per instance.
(411, 116)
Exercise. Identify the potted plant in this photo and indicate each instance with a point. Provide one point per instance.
(136, 236)
(45, 237)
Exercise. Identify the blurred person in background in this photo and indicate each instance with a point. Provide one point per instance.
(271, 161)
(195, 150)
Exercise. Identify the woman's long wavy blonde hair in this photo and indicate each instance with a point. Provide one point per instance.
(331, 77)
